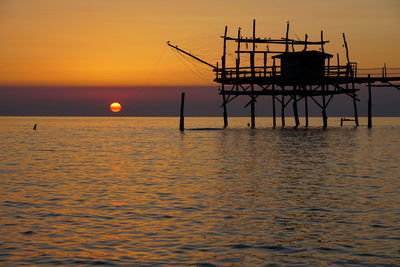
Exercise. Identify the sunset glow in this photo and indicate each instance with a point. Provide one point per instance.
(123, 43)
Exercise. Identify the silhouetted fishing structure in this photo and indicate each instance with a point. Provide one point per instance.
(296, 74)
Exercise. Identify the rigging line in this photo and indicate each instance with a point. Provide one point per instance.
(298, 39)
(156, 64)
(182, 59)
(195, 64)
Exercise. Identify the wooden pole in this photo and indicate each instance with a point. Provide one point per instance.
(346, 47)
(252, 63)
(283, 110)
(265, 64)
(306, 108)
(273, 68)
(355, 105)
(324, 117)
(223, 75)
(352, 76)
(347, 56)
(287, 38)
(369, 102)
(295, 112)
(273, 106)
(328, 72)
(238, 55)
(224, 54)
(182, 120)
(322, 42)
(253, 114)
(225, 113)
(384, 66)
(305, 42)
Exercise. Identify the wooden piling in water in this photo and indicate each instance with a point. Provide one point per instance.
(369, 103)
(295, 112)
(273, 107)
(223, 74)
(324, 117)
(283, 110)
(306, 107)
(182, 118)
(253, 113)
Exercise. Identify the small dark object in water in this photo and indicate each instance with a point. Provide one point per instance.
(28, 233)
(34, 127)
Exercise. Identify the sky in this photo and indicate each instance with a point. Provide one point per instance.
(65, 53)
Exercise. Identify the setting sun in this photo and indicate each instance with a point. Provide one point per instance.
(115, 107)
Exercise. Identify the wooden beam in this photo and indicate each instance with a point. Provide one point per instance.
(273, 41)
(190, 55)
(258, 52)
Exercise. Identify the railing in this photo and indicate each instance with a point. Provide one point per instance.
(247, 72)
(379, 72)
(348, 70)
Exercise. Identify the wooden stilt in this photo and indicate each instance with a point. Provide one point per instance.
(324, 117)
(306, 109)
(253, 75)
(295, 112)
(369, 103)
(273, 107)
(283, 110)
(223, 74)
(182, 119)
(253, 114)
(225, 114)
(355, 105)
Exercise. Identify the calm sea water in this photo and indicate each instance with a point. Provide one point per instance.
(84, 191)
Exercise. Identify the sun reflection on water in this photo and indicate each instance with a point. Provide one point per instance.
(149, 194)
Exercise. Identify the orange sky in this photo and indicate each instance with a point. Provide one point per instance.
(122, 42)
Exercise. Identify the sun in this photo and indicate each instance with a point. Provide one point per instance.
(115, 107)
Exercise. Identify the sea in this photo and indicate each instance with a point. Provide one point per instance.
(130, 191)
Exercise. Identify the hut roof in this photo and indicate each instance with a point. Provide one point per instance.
(311, 53)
